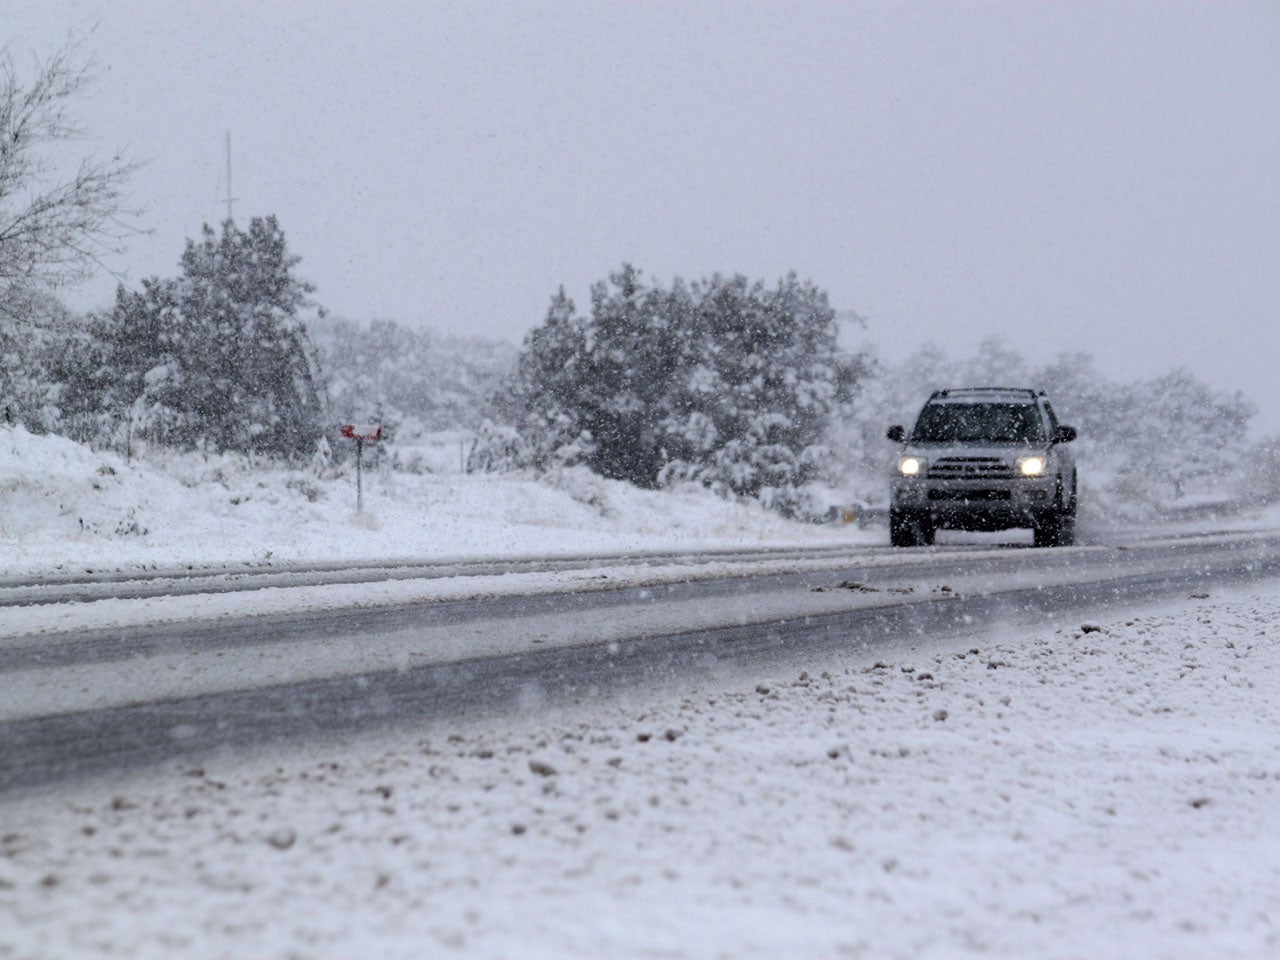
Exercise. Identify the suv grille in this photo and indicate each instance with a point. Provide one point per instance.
(970, 496)
(970, 468)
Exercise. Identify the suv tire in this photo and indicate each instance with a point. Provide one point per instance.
(1057, 528)
(909, 529)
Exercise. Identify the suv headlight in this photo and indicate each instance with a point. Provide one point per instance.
(1032, 466)
(912, 466)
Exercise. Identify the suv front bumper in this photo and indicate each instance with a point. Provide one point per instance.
(976, 504)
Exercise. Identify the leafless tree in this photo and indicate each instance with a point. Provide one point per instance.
(57, 220)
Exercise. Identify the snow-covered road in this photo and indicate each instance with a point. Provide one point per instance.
(48, 669)
(1105, 789)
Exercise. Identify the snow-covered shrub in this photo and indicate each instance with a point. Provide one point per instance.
(723, 381)
(420, 380)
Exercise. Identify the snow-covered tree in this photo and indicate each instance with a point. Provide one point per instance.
(56, 220)
(217, 358)
(33, 359)
(1178, 431)
(424, 381)
(546, 386)
(760, 388)
(723, 381)
(128, 381)
(247, 371)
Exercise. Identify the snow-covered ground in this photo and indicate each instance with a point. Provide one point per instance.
(1105, 789)
(64, 506)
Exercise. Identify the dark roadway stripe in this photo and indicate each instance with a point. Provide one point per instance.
(44, 751)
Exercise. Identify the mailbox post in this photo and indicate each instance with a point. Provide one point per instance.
(360, 432)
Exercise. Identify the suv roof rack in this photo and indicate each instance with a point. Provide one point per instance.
(971, 391)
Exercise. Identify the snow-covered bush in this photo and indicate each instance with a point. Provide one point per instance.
(723, 382)
(420, 380)
(217, 358)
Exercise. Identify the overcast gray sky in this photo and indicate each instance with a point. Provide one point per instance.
(1073, 175)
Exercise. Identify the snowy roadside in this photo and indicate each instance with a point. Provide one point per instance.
(1098, 791)
(67, 508)
(28, 619)
(275, 601)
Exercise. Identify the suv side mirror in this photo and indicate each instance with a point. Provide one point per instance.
(1064, 434)
(897, 433)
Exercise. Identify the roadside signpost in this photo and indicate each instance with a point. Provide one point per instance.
(360, 432)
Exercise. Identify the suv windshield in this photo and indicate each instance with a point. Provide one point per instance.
(970, 422)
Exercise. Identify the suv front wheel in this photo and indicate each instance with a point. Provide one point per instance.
(1057, 528)
(908, 529)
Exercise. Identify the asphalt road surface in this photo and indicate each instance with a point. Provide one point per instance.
(107, 700)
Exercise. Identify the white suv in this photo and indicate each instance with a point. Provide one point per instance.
(984, 458)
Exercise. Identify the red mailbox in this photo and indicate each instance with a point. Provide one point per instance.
(362, 431)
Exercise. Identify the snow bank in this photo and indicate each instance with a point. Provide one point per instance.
(1102, 790)
(63, 504)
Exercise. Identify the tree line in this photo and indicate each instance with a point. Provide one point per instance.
(726, 381)
(233, 355)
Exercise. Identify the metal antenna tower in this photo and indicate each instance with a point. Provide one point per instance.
(230, 198)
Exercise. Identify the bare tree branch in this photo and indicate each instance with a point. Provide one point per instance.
(55, 225)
